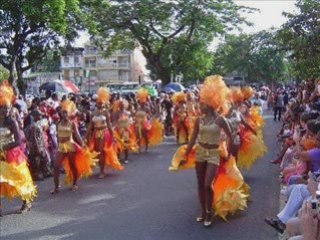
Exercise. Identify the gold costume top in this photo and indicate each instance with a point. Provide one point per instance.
(64, 131)
(235, 121)
(123, 122)
(141, 115)
(191, 108)
(6, 137)
(209, 133)
(100, 122)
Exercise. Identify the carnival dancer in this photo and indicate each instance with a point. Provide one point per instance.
(252, 145)
(180, 118)
(235, 119)
(142, 123)
(220, 185)
(15, 177)
(100, 134)
(72, 155)
(124, 130)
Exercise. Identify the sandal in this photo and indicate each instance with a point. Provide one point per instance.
(55, 191)
(208, 219)
(200, 218)
(101, 176)
(276, 224)
(74, 188)
(25, 208)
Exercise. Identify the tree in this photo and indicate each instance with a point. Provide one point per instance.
(4, 74)
(30, 27)
(174, 35)
(256, 57)
(300, 39)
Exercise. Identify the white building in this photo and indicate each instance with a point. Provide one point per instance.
(89, 69)
(72, 65)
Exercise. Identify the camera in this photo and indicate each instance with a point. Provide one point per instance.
(315, 205)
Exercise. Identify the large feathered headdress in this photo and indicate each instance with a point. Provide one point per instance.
(69, 106)
(118, 103)
(214, 92)
(143, 95)
(179, 97)
(247, 92)
(103, 95)
(6, 94)
(236, 95)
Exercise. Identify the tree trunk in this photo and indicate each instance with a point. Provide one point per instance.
(165, 77)
(20, 84)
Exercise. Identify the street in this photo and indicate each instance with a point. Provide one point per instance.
(144, 202)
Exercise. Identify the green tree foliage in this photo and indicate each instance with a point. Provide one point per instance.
(30, 27)
(255, 56)
(174, 35)
(4, 74)
(300, 38)
(50, 62)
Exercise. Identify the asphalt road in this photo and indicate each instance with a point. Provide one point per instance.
(145, 202)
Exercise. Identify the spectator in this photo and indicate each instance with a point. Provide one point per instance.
(278, 107)
(297, 195)
(37, 151)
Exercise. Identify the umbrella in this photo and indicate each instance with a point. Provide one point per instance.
(177, 87)
(71, 86)
(53, 87)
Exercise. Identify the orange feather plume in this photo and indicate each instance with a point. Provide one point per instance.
(179, 97)
(143, 95)
(236, 95)
(247, 92)
(69, 106)
(6, 94)
(214, 92)
(103, 95)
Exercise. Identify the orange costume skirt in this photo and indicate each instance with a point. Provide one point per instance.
(252, 147)
(185, 132)
(85, 160)
(126, 139)
(15, 177)
(110, 148)
(231, 193)
(154, 131)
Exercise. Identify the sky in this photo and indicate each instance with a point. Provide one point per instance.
(268, 16)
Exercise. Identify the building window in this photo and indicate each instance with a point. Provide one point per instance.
(66, 74)
(90, 63)
(66, 59)
(76, 73)
(76, 60)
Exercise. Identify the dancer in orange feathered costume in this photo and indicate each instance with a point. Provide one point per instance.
(252, 145)
(15, 178)
(236, 120)
(124, 130)
(182, 123)
(100, 134)
(149, 132)
(72, 155)
(220, 184)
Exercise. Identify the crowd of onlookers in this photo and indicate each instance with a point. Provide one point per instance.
(298, 109)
